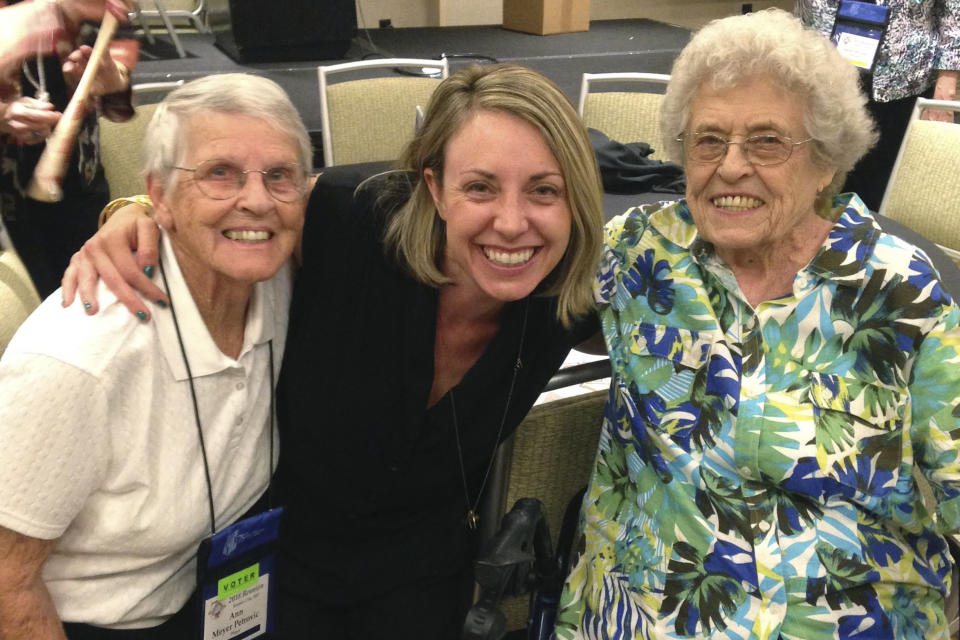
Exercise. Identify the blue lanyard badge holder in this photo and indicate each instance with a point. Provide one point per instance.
(235, 571)
(858, 31)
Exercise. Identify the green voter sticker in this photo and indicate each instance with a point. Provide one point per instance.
(237, 582)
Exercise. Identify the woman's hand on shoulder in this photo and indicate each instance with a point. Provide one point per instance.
(123, 253)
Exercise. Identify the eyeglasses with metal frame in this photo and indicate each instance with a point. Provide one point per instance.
(762, 150)
(221, 180)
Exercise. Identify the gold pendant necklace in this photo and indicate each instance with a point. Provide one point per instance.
(473, 518)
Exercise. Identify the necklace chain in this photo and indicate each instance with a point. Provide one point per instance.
(473, 518)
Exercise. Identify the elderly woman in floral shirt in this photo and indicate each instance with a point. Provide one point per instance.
(782, 367)
(919, 54)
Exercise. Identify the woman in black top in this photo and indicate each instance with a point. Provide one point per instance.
(432, 306)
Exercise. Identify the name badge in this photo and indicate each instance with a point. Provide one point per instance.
(858, 31)
(236, 579)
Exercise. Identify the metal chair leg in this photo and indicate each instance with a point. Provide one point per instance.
(170, 29)
(144, 25)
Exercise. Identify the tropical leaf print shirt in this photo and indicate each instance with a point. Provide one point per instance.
(754, 473)
(923, 36)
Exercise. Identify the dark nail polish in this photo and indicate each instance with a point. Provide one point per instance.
(142, 316)
(161, 304)
(148, 271)
(87, 306)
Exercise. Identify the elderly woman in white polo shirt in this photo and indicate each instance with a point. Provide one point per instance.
(124, 443)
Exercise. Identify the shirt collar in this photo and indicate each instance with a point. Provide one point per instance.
(843, 256)
(204, 356)
(846, 251)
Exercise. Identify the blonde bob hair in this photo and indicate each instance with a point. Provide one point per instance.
(417, 235)
(773, 44)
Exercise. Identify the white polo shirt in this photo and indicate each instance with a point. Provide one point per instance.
(99, 446)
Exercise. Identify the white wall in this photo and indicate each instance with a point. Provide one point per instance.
(420, 13)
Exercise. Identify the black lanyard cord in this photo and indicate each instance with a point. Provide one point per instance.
(196, 406)
(272, 399)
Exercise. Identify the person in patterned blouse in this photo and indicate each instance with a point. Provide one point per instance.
(919, 56)
(782, 368)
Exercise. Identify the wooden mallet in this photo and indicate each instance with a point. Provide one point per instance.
(45, 185)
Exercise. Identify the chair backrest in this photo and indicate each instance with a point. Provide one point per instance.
(18, 297)
(550, 457)
(121, 143)
(121, 146)
(924, 188)
(625, 116)
(371, 119)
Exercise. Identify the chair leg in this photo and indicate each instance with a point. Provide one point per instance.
(199, 17)
(170, 29)
(147, 33)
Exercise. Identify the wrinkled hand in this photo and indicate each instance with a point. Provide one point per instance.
(28, 120)
(109, 255)
(108, 79)
(945, 89)
(77, 11)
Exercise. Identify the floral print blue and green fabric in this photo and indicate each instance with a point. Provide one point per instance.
(754, 477)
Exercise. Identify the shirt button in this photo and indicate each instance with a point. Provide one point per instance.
(746, 472)
(239, 420)
(239, 386)
(802, 282)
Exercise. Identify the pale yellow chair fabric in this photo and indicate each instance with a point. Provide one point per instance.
(371, 119)
(550, 457)
(121, 151)
(924, 189)
(625, 116)
(18, 297)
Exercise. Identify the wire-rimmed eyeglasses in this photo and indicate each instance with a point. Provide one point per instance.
(762, 150)
(221, 180)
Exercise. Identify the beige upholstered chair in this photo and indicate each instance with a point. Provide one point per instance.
(550, 457)
(924, 188)
(121, 143)
(18, 297)
(372, 118)
(121, 152)
(625, 116)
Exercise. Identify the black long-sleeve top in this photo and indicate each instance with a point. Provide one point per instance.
(369, 475)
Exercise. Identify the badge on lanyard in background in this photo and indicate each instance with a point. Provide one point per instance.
(858, 31)
(235, 579)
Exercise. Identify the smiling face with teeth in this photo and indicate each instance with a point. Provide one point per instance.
(241, 240)
(502, 196)
(747, 210)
